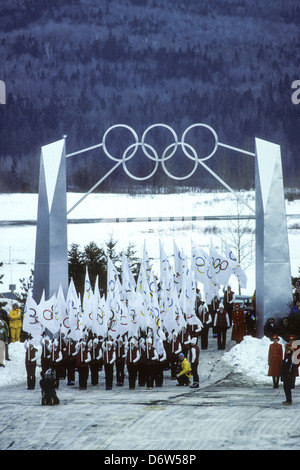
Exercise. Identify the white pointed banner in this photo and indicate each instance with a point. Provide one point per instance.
(180, 266)
(128, 282)
(236, 267)
(166, 271)
(87, 302)
(202, 268)
(100, 313)
(113, 300)
(46, 314)
(74, 313)
(60, 306)
(187, 299)
(221, 266)
(123, 326)
(173, 319)
(31, 322)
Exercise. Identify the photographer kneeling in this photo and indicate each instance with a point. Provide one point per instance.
(185, 373)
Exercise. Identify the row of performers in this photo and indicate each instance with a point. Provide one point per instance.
(144, 360)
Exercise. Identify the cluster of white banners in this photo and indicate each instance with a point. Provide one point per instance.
(214, 269)
(166, 305)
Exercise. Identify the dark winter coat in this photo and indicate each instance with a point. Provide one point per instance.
(288, 369)
(238, 325)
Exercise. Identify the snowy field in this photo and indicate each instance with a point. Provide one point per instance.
(18, 242)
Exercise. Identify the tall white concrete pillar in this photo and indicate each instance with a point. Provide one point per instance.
(51, 251)
(273, 272)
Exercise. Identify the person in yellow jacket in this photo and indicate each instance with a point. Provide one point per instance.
(185, 373)
(15, 323)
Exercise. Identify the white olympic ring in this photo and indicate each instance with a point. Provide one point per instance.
(139, 178)
(163, 155)
(104, 141)
(193, 170)
(149, 151)
(213, 133)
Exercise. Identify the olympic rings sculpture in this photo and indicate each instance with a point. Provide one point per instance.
(150, 152)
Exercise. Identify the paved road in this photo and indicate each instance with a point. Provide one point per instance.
(226, 412)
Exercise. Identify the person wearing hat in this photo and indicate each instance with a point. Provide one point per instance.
(250, 320)
(185, 374)
(96, 353)
(206, 320)
(15, 323)
(48, 386)
(69, 351)
(238, 324)
(228, 301)
(109, 359)
(160, 363)
(150, 362)
(275, 357)
(141, 373)
(288, 374)
(56, 358)
(132, 359)
(82, 359)
(120, 361)
(45, 353)
(221, 324)
(31, 356)
(213, 308)
(194, 354)
(270, 328)
(174, 350)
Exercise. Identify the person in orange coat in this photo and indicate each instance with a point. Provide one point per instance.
(275, 358)
(238, 324)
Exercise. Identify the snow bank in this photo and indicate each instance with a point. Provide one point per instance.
(14, 372)
(250, 357)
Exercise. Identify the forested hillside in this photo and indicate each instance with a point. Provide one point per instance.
(77, 67)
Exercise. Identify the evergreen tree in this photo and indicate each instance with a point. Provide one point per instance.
(76, 267)
(111, 251)
(94, 258)
(95, 261)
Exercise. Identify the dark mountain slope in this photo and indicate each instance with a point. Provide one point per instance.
(77, 67)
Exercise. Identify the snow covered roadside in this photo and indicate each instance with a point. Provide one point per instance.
(250, 358)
